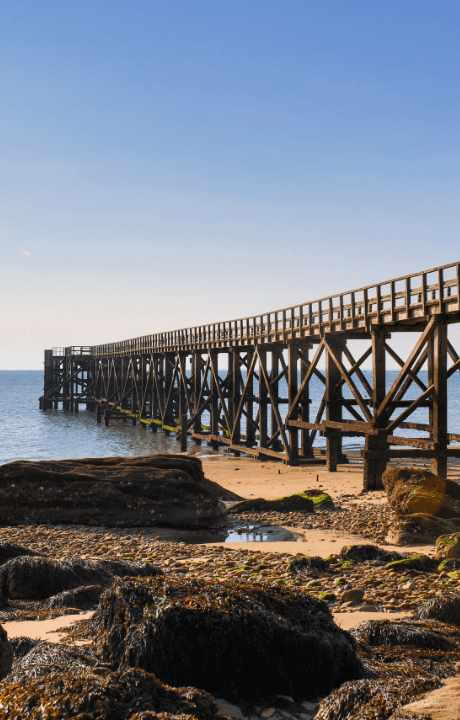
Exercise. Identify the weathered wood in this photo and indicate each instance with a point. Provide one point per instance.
(146, 379)
(292, 391)
(333, 394)
(437, 349)
(374, 467)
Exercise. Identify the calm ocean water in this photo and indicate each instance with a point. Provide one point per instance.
(28, 433)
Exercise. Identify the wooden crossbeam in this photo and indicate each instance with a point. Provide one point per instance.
(307, 364)
(306, 379)
(408, 411)
(355, 367)
(400, 362)
(453, 368)
(245, 389)
(275, 410)
(407, 366)
(219, 391)
(349, 381)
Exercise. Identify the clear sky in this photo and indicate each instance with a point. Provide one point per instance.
(166, 164)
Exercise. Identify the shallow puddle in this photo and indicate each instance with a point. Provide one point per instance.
(235, 531)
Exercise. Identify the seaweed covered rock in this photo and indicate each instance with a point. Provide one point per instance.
(302, 564)
(418, 561)
(6, 654)
(83, 598)
(235, 640)
(11, 550)
(371, 699)
(321, 499)
(448, 546)
(44, 658)
(449, 564)
(424, 504)
(363, 553)
(85, 694)
(291, 503)
(38, 578)
(22, 645)
(156, 490)
(416, 633)
(445, 608)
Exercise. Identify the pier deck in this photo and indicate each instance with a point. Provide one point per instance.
(169, 380)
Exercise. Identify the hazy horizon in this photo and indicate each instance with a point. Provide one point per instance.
(167, 165)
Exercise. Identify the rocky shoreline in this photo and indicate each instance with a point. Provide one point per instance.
(396, 659)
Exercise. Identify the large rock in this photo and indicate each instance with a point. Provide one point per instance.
(364, 553)
(96, 693)
(291, 503)
(235, 640)
(448, 546)
(425, 505)
(6, 654)
(38, 578)
(445, 608)
(157, 490)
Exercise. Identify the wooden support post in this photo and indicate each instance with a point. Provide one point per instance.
(292, 392)
(305, 435)
(168, 370)
(98, 414)
(197, 378)
(234, 368)
(249, 405)
(183, 432)
(437, 354)
(263, 406)
(48, 379)
(182, 398)
(214, 404)
(276, 444)
(333, 404)
(374, 469)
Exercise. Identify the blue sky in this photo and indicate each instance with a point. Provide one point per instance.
(166, 164)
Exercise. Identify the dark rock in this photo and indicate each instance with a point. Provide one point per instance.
(290, 503)
(22, 645)
(10, 550)
(83, 598)
(168, 491)
(403, 632)
(6, 654)
(235, 640)
(81, 693)
(420, 562)
(362, 553)
(37, 578)
(449, 564)
(321, 500)
(302, 565)
(46, 658)
(424, 504)
(370, 698)
(445, 608)
(448, 546)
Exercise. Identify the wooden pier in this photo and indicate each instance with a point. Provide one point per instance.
(169, 380)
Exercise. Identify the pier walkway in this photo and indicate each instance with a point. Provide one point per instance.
(173, 381)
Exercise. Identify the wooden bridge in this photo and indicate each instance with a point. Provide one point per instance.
(170, 380)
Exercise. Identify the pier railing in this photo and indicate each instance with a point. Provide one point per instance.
(406, 299)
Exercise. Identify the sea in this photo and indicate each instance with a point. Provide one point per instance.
(28, 433)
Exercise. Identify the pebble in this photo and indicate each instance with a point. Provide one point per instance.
(374, 585)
